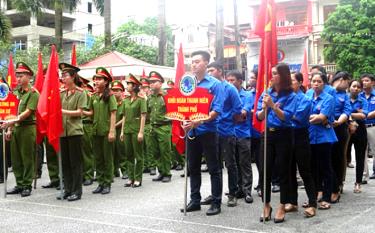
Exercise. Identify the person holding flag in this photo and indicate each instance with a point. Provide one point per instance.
(279, 104)
(103, 106)
(22, 133)
(73, 100)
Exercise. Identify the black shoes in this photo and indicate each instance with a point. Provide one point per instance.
(158, 178)
(99, 189)
(106, 190)
(74, 197)
(179, 167)
(15, 190)
(372, 176)
(124, 176)
(64, 197)
(51, 185)
(146, 170)
(266, 218)
(232, 201)
(207, 201)
(239, 194)
(26, 192)
(166, 179)
(249, 199)
(87, 182)
(191, 207)
(213, 210)
(152, 171)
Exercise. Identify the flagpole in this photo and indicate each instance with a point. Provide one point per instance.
(265, 144)
(186, 172)
(60, 176)
(36, 169)
(5, 175)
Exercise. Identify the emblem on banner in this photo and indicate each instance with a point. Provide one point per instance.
(4, 91)
(188, 85)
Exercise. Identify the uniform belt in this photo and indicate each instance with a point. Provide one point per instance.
(273, 129)
(370, 125)
(25, 123)
(86, 121)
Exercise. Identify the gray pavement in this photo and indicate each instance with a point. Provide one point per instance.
(154, 207)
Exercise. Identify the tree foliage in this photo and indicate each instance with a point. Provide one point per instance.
(350, 33)
(124, 44)
(5, 28)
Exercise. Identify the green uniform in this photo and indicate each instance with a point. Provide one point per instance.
(23, 143)
(161, 130)
(52, 162)
(149, 158)
(103, 149)
(71, 152)
(134, 149)
(119, 160)
(87, 152)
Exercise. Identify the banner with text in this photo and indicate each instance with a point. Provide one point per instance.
(8, 104)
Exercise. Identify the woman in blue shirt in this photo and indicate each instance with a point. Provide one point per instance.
(280, 103)
(301, 154)
(322, 136)
(342, 113)
(357, 130)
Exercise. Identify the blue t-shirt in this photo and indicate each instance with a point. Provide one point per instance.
(370, 104)
(215, 88)
(254, 132)
(303, 110)
(320, 133)
(232, 106)
(342, 104)
(243, 129)
(286, 102)
(359, 104)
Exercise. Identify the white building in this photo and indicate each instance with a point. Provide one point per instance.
(78, 26)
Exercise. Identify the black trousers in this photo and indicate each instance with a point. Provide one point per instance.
(322, 169)
(301, 157)
(226, 148)
(243, 159)
(204, 144)
(255, 155)
(359, 139)
(72, 166)
(338, 156)
(279, 148)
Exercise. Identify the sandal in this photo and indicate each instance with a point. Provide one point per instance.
(129, 183)
(357, 188)
(310, 212)
(305, 204)
(324, 206)
(137, 184)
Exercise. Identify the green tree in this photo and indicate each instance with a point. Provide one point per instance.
(5, 29)
(349, 32)
(123, 43)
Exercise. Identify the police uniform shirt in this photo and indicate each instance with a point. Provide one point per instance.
(102, 112)
(132, 111)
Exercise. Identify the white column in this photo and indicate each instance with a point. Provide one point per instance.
(33, 37)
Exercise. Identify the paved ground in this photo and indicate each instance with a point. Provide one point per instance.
(154, 207)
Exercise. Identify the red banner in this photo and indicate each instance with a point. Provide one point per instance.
(192, 107)
(8, 104)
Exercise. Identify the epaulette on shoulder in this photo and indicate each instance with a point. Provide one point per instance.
(33, 89)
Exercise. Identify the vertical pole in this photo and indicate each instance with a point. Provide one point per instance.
(186, 171)
(36, 168)
(60, 176)
(4, 166)
(265, 144)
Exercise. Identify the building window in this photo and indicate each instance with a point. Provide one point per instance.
(89, 7)
(89, 28)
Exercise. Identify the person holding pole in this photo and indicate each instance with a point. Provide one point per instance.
(103, 106)
(203, 140)
(22, 132)
(279, 104)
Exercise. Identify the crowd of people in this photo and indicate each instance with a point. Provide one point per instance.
(110, 130)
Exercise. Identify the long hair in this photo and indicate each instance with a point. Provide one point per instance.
(106, 92)
(299, 77)
(285, 78)
(75, 76)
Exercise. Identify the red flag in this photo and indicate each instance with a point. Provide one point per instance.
(266, 30)
(305, 70)
(39, 79)
(74, 55)
(49, 105)
(180, 69)
(177, 131)
(11, 77)
(144, 73)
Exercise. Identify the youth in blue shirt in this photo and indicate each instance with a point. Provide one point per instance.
(322, 136)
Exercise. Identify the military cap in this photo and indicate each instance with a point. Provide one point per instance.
(102, 72)
(133, 79)
(21, 67)
(117, 85)
(155, 76)
(145, 82)
(84, 80)
(65, 67)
